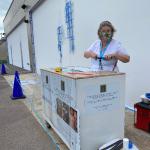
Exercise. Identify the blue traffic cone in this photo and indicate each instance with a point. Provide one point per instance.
(3, 70)
(17, 89)
(17, 75)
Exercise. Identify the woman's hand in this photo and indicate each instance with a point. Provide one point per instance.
(90, 54)
(110, 56)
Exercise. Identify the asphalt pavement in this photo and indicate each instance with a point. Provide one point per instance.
(19, 130)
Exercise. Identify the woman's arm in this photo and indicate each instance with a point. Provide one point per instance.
(122, 57)
(120, 54)
(90, 54)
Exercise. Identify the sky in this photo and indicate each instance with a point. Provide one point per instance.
(4, 5)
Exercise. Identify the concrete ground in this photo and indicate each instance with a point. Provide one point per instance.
(10, 69)
(22, 128)
(19, 128)
(139, 137)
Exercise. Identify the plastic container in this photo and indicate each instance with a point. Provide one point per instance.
(128, 145)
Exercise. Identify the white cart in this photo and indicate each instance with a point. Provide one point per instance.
(86, 109)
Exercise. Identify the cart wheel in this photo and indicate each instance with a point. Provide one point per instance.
(48, 125)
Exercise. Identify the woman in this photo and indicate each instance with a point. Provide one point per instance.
(105, 52)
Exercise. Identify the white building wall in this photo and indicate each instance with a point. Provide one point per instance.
(10, 54)
(18, 41)
(45, 22)
(15, 13)
(130, 18)
(14, 51)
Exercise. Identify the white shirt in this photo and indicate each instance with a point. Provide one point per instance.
(113, 47)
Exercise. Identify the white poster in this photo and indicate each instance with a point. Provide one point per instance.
(103, 98)
(65, 114)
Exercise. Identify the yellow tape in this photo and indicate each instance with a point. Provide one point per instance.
(58, 69)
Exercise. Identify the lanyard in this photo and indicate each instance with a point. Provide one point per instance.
(102, 52)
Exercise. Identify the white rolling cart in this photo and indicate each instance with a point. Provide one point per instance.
(86, 109)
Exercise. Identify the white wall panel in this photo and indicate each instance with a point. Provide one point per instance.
(18, 41)
(130, 18)
(10, 54)
(131, 27)
(45, 22)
